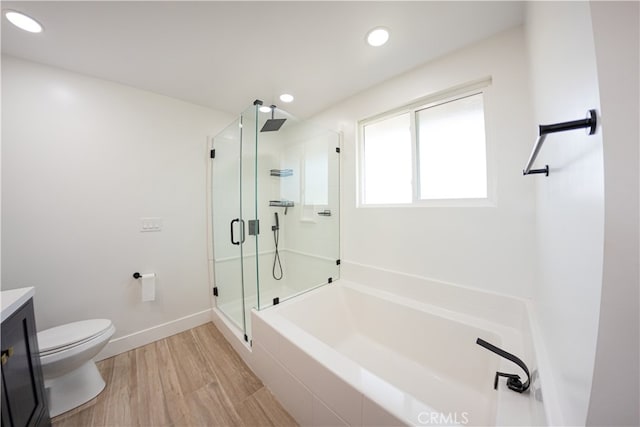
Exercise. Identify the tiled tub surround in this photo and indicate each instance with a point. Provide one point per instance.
(349, 354)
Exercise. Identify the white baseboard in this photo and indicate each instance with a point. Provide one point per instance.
(155, 333)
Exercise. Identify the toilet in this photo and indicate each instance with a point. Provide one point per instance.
(71, 377)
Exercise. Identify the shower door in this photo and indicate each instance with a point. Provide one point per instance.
(275, 211)
(234, 218)
(229, 224)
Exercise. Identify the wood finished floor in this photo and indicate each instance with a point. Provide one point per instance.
(194, 378)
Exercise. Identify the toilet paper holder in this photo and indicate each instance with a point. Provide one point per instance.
(148, 282)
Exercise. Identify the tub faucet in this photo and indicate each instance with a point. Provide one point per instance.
(513, 380)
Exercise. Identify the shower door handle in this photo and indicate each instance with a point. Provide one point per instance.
(233, 242)
(241, 222)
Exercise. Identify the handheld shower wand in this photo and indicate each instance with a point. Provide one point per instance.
(276, 270)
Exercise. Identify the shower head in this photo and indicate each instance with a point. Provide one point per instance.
(272, 125)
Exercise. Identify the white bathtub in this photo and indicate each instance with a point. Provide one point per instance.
(348, 354)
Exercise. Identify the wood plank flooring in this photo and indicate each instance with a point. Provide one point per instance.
(194, 378)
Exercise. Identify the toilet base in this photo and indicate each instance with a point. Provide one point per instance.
(73, 389)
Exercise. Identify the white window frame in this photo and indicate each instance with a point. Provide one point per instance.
(482, 86)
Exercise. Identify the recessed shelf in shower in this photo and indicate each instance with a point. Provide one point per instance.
(281, 203)
(281, 172)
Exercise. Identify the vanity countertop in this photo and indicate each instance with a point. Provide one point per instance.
(13, 300)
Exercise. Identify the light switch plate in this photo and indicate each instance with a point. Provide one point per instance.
(150, 224)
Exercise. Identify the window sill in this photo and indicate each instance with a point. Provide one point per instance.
(440, 203)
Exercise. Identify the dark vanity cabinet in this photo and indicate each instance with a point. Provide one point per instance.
(23, 396)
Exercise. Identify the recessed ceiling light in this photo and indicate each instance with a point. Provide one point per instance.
(378, 36)
(23, 21)
(285, 97)
(265, 109)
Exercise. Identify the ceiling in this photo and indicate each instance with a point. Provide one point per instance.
(226, 54)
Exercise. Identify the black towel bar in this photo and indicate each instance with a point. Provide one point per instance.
(590, 122)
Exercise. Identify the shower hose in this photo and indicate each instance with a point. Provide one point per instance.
(276, 271)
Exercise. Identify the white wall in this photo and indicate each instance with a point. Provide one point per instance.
(615, 395)
(569, 205)
(485, 247)
(82, 161)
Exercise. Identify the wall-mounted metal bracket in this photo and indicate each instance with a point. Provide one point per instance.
(254, 227)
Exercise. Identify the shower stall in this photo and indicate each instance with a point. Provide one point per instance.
(274, 211)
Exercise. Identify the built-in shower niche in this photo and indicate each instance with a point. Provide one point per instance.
(272, 186)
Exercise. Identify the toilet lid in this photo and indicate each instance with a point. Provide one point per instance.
(71, 333)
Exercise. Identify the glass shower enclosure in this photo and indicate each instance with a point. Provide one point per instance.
(275, 211)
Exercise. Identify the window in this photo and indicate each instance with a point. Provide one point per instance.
(387, 160)
(430, 151)
(452, 155)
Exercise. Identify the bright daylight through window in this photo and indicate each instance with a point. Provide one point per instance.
(434, 151)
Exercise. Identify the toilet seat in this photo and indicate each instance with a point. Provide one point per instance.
(64, 337)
